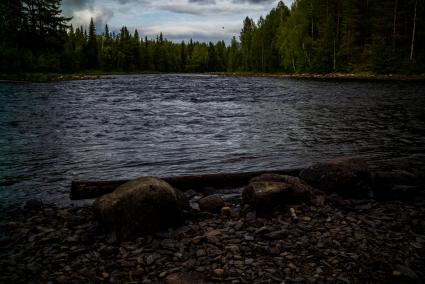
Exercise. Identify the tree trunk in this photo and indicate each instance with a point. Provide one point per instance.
(413, 32)
(312, 20)
(334, 55)
(394, 23)
(94, 189)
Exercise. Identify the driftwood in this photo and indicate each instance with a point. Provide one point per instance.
(94, 189)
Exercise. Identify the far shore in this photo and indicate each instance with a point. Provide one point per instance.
(49, 77)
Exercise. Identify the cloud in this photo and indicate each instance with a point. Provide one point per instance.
(143, 2)
(201, 20)
(212, 7)
(254, 1)
(100, 15)
(199, 31)
(195, 9)
(69, 6)
(203, 2)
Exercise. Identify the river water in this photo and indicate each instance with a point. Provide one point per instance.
(130, 126)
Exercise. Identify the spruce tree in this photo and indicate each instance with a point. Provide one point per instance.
(92, 48)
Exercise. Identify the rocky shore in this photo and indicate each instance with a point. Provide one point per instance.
(334, 239)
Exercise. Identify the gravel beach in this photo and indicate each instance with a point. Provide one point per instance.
(341, 241)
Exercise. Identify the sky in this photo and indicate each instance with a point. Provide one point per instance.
(202, 20)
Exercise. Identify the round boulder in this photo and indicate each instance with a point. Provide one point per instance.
(140, 206)
(346, 176)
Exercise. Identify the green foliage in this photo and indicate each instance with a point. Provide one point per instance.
(386, 36)
(337, 36)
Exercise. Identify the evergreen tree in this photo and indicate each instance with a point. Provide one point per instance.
(92, 48)
(246, 38)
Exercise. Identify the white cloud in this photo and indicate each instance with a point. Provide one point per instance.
(100, 15)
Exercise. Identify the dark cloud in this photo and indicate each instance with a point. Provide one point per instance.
(253, 1)
(203, 2)
(123, 2)
(69, 6)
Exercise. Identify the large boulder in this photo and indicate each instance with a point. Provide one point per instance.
(269, 190)
(348, 177)
(140, 206)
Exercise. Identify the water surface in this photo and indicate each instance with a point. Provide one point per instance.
(130, 126)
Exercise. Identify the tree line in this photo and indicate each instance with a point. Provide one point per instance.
(380, 36)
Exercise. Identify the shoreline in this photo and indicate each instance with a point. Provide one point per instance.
(342, 241)
(332, 238)
(95, 75)
(331, 76)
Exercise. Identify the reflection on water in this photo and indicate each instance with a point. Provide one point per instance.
(130, 126)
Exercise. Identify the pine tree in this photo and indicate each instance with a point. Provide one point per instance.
(92, 48)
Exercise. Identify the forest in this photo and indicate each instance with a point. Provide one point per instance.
(312, 36)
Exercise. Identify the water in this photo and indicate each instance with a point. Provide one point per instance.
(130, 126)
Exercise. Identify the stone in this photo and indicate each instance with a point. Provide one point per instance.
(269, 190)
(264, 195)
(226, 211)
(140, 206)
(150, 259)
(348, 177)
(250, 217)
(184, 278)
(211, 203)
(281, 234)
(218, 272)
(249, 238)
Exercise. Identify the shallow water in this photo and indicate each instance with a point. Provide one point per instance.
(130, 126)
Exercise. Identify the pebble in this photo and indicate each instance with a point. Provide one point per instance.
(249, 261)
(218, 272)
(248, 238)
(277, 234)
(226, 211)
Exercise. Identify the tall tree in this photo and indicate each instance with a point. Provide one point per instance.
(246, 38)
(92, 48)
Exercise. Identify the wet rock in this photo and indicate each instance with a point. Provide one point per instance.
(269, 190)
(211, 203)
(140, 206)
(264, 195)
(345, 176)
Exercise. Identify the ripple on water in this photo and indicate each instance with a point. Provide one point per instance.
(130, 126)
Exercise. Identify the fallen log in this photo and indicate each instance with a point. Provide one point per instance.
(93, 189)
